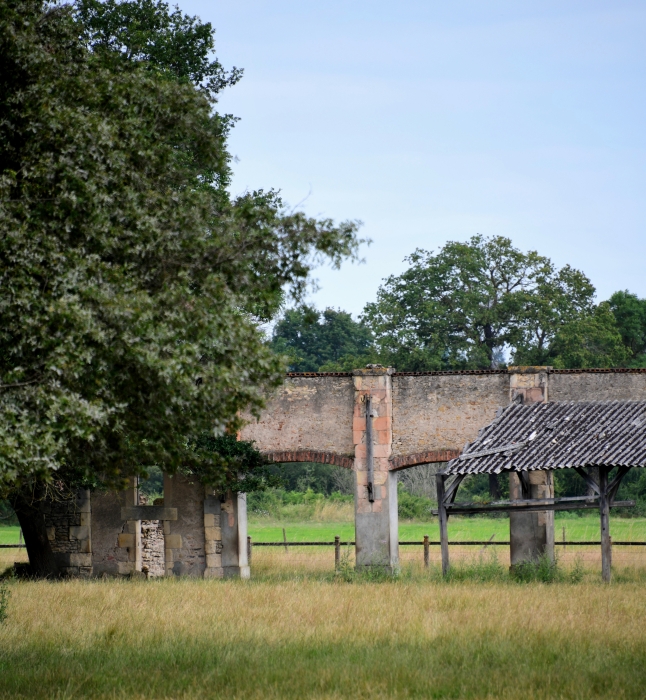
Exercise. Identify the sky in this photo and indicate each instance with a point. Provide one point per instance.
(433, 121)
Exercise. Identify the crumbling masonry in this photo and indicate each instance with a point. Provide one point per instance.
(374, 421)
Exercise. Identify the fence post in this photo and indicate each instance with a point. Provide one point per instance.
(426, 551)
(337, 552)
(285, 539)
(564, 538)
(249, 551)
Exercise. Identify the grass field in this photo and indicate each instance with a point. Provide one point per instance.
(577, 528)
(297, 630)
(309, 638)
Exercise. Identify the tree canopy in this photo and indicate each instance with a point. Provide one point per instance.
(131, 282)
(466, 305)
(315, 341)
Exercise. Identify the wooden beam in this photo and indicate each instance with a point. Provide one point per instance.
(578, 503)
(604, 512)
(443, 517)
(452, 490)
(588, 479)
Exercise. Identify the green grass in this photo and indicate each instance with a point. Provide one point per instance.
(577, 528)
(322, 639)
(9, 534)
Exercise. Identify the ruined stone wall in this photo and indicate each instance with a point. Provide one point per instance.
(582, 385)
(307, 413)
(438, 412)
(185, 541)
(152, 548)
(109, 556)
(69, 533)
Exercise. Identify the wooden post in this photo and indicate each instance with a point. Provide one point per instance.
(337, 552)
(564, 538)
(604, 510)
(443, 518)
(285, 539)
(249, 551)
(426, 551)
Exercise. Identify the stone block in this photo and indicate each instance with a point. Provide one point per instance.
(210, 546)
(209, 520)
(214, 572)
(81, 532)
(125, 568)
(173, 541)
(213, 533)
(85, 546)
(213, 560)
(51, 533)
(126, 540)
(86, 519)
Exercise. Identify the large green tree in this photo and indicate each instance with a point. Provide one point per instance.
(130, 281)
(630, 315)
(315, 341)
(469, 303)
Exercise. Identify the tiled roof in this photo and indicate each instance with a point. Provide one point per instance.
(558, 435)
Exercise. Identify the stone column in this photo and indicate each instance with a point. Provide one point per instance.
(131, 537)
(375, 498)
(531, 534)
(233, 527)
(172, 541)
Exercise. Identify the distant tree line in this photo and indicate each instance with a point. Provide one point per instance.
(475, 305)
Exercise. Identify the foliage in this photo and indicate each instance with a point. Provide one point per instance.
(465, 305)
(319, 478)
(630, 314)
(410, 507)
(130, 279)
(590, 341)
(328, 341)
(285, 505)
(146, 30)
(228, 464)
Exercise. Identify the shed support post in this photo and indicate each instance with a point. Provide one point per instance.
(443, 518)
(604, 511)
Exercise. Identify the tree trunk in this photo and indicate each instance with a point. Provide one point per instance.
(494, 487)
(26, 504)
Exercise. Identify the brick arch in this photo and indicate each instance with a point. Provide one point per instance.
(428, 457)
(311, 456)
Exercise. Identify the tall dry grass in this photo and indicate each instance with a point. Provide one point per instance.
(313, 638)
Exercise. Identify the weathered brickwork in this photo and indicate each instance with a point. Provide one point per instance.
(152, 548)
(307, 413)
(416, 419)
(440, 412)
(597, 386)
(69, 533)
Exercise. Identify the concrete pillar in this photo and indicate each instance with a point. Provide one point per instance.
(375, 498)
(233, 525)
(531, 534)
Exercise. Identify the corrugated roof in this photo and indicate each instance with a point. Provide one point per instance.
(558, 435)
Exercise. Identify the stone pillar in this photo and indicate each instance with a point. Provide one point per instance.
(233, 527)
(172, 541)
(212, 535)
(375, 498)
(131, 536)
(531, 534)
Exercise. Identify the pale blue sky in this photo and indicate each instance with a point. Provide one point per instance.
(434, 121)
